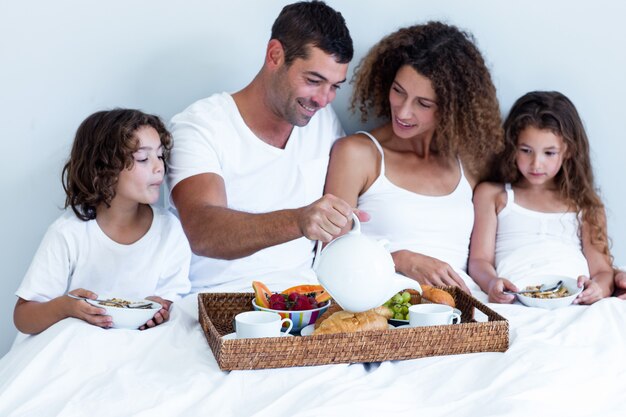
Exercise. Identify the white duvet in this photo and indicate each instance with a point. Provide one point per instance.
(566, 362)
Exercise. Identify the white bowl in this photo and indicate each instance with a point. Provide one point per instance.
(548, 303)
(128, 318)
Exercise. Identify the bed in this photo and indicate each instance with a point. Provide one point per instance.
(566, 362)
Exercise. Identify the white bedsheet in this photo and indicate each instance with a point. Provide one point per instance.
(567, 362)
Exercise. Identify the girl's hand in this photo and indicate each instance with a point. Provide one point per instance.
(161, 316)
(427, 270)
(82, 310)
(592, 291)
(620, 284)
(496, 291)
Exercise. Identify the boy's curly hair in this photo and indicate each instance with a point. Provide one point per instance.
(468, 110)
(103, 147)
(553, 111)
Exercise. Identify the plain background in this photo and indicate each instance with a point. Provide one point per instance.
(63, 60)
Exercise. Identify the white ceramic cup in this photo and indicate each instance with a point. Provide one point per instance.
(253, 324)
(432, 315)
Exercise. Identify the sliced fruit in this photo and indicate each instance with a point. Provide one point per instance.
(304, 289)
(320, 294)
(262, 294)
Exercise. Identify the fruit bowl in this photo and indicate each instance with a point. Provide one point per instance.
(300, 318)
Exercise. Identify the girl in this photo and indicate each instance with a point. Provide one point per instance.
(547, 217)
(415, 173)
(112, 241)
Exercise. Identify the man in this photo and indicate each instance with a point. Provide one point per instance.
(247, 170)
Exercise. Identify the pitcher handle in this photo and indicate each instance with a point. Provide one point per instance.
(356, 228)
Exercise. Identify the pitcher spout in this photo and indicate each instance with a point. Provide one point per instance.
(401, 283)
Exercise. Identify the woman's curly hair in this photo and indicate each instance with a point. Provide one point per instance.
(553, 111)
(103, 147)
(470, 124)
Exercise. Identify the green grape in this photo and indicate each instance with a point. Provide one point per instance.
(406, 317)
(406, 296)
(399, 316)
(397, 308)
(404, 310)
(397, 299)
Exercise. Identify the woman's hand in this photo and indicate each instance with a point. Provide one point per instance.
(82, 310)
(496, 291)
(161, 316)
(427, 270)
(592, 291)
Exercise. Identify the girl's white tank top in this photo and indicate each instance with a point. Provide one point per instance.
(532, 242)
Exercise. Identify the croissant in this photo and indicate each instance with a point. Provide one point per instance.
(437, 296)
(346, 322)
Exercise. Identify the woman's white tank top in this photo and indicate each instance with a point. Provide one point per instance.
(532, 242)
(436, 226)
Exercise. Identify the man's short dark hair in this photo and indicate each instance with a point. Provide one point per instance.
(312, 23)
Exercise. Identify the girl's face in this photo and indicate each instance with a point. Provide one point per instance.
(142, 182)
(413, 104)
(540, 155)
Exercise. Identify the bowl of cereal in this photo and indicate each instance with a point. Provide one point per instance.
(127, 314)
(563, 297)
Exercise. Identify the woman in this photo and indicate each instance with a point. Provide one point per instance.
(415, 174)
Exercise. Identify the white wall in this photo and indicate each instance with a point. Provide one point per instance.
(63, 60)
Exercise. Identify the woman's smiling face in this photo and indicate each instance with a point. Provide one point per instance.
(413, 104)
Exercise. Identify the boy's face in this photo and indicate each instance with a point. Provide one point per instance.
(307, 85)
(141, 183)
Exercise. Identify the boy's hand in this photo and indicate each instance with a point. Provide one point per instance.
(592, 291)
(161, 316)
(82, 310)
(496, 288)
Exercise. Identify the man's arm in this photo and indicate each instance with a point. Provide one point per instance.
(216, 231)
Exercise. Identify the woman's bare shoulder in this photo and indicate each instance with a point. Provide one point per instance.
(356, 146)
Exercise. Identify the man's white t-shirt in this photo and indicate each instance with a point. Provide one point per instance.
(210, 136)
(78, 254)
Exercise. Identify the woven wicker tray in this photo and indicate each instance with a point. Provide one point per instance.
(217, 311)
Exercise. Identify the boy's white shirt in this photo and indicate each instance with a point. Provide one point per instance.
(78, 254)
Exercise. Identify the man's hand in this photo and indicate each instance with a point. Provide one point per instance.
(326, 218)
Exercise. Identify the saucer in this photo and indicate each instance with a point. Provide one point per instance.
(308, 330)
(233, 336)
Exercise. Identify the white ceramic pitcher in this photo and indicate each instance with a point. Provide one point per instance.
(358, 272)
